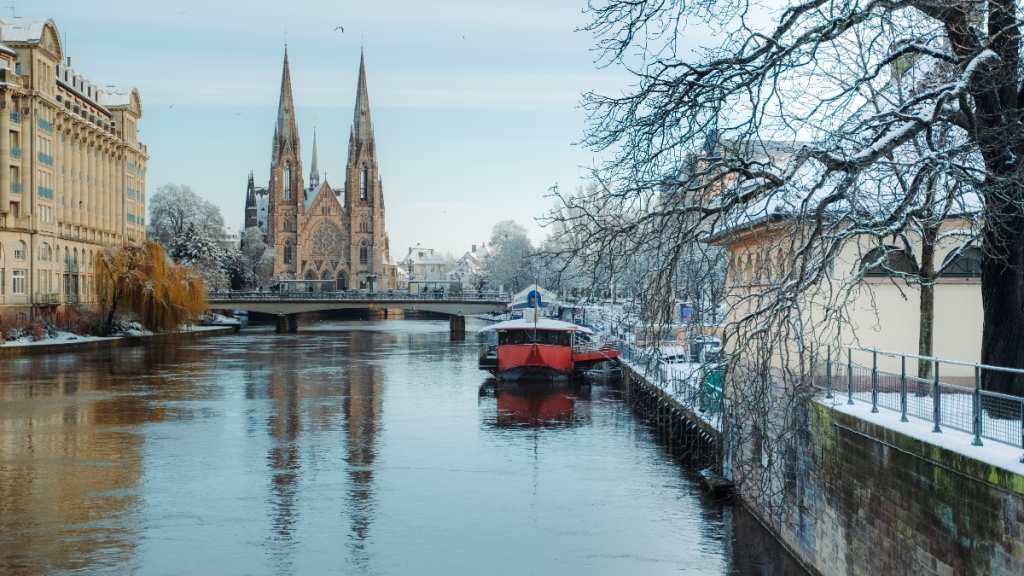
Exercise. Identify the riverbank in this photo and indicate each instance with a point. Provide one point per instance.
(67, 342)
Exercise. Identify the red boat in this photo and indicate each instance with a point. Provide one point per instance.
(543, 349)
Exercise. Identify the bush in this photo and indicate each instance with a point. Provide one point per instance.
(84, 322)
(38, 330)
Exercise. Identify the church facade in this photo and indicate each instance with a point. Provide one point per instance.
(328, 238)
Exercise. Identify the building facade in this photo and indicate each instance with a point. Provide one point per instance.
(72, 171)
(331, 238)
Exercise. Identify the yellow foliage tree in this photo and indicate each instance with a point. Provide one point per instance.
(144, 281)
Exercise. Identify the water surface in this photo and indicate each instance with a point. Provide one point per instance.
(348, 448)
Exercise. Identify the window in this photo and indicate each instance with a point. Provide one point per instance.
(363, 226)
(289, 252)
(364, 253)
(363, 183)
(287, 181)
(18, 281)
(889, 261)
(45, 252)
(965, 263)
(19, 250)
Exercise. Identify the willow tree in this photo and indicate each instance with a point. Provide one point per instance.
(143, 281)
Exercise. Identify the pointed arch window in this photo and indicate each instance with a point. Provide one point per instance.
(364, 253)
(287, 181)
(289, 252)
(364, 178)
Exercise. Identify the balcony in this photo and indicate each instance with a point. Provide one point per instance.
(45, 193)
(15, 152)
(16, 117)
(45, 158)
(46, 299)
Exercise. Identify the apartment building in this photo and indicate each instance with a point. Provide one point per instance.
(72, 171)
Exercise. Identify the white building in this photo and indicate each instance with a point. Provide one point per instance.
(469, 269)
(425, 265)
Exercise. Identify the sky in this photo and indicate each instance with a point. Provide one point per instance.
(475, 103)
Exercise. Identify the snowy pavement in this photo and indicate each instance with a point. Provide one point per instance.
(993, 453)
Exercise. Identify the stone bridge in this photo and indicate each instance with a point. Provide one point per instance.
(287, 305)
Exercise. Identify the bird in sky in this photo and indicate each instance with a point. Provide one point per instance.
(342, 28)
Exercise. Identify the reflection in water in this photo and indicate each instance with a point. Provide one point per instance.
(362, 408)
(283, 458)
(537, 403)
(268, 454)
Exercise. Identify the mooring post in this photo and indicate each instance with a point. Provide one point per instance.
(936, 400)
(977, 406)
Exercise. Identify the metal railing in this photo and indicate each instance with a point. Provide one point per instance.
(355, 295)
(951, 401)
(696, 387)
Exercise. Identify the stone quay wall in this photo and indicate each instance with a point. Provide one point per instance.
(856, 498)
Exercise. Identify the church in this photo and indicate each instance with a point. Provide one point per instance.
(327, 238)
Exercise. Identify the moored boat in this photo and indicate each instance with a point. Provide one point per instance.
(543, 349)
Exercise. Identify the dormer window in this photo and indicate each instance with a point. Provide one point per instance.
(364, 177)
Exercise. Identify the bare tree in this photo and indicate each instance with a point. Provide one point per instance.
(856, 92)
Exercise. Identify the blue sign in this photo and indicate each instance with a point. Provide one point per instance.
(533, 299)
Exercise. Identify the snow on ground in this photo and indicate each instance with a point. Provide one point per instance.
(214, 319)
(994, 453)
(60, 338)
(63, 338)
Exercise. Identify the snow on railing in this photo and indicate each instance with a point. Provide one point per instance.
(694, 385)
(985, 414)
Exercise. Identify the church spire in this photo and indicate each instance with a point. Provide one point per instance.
(362, 127)
(314, 170)
(251, 211)
(285, 133)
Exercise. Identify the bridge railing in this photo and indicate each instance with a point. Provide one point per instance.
(215, 296)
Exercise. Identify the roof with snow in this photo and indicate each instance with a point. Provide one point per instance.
(23, 29)
(423, 256)
(541, 324)
(521, 298)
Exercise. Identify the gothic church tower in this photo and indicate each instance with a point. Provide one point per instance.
(286, 190)
(364, 195)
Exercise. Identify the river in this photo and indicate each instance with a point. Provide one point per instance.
(348, 448)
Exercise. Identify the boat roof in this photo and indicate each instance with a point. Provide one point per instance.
(542, 324)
